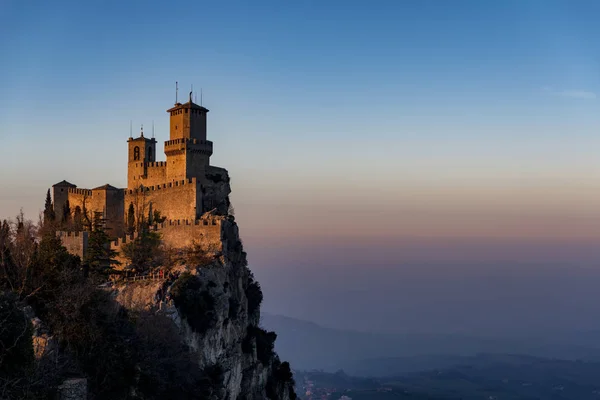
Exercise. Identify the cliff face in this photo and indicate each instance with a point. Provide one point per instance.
(216, 308)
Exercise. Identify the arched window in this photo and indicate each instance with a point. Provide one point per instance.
(150, 154)
(136, 153)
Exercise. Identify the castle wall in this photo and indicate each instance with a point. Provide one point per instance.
(146, 173)
(115, 212)
(101, 200)
(175, 200)
(76, 198)
(181, 233)
(156, 173)
(75, 242)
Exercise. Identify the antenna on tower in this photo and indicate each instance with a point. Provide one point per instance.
(200, 96)
(176, 91)
(142, 131)
(152, 129)
(130, 129)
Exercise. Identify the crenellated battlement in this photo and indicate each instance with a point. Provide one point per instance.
(196, 222)
(62, 234)
(75, 242)
(187, 140)
(83, 192)
(173, 184)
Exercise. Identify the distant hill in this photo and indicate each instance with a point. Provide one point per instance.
(487, 376)
(310, 346)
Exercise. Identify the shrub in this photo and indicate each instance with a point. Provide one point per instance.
(281, 376)
(200, 254)
(194, 302)
(265, 343)
(254, 295)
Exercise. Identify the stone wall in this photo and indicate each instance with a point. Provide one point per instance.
(206, 231)
(175, 200)
(156, 173)
(115, 212)
(75, 242)
(146, 173)
(101, 200)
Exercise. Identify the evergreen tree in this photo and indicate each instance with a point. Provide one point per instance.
(144, 249)
(49, 215)
(157, 218)
(150, 215)
(77, 219)
(66, 217)
(100, 258)
(131, 219)
(7, 268)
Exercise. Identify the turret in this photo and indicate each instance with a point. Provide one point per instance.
(60, 195)
(142, 150)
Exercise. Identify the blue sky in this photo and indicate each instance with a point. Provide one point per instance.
(430, 112)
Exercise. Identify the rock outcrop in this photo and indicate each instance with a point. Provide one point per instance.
(216, 307)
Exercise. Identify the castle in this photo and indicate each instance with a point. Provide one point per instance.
(182, 188)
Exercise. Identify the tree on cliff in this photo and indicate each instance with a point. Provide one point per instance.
(100, 258)
(49, 215)
(130, 219)
(142, 252)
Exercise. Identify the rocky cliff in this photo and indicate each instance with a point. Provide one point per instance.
(215, 306)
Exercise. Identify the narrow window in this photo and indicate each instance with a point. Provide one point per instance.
(136, 153)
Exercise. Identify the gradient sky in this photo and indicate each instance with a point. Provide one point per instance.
(453, 129)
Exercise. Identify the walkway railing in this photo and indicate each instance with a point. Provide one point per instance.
(153, 276)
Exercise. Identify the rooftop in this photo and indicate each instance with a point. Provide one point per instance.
(64, 183)
(189, 104)
(106, 187)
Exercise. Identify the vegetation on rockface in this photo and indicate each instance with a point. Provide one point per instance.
(199, 254)
(281, 378)
(167, 368)
(254, 295)
(264, 341)
(194, 302)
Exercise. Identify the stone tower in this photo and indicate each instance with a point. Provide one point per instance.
(188, 152)
(142, 151)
